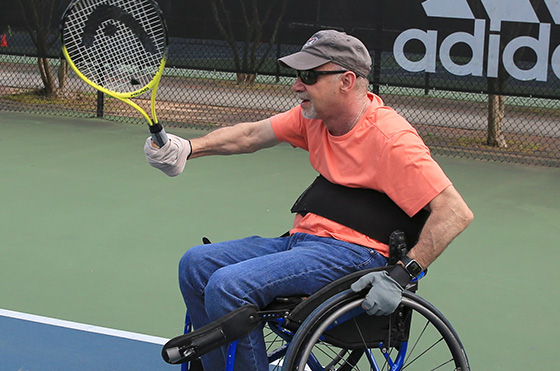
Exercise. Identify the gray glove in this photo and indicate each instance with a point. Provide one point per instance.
(171, 158)
(384, 296)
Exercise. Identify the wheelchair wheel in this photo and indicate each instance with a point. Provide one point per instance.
(339, 335)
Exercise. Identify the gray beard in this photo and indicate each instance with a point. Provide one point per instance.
(309, 114)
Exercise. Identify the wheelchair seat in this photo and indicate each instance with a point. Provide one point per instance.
(377, 328)
(306, 305)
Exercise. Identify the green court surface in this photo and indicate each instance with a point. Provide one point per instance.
(92, 234)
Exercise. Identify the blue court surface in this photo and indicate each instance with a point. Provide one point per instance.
(30, 343)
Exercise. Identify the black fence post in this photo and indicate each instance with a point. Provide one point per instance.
(100, 104)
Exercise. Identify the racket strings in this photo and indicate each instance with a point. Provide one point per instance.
(118, 45)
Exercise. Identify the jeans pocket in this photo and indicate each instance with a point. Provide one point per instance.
(373, 259)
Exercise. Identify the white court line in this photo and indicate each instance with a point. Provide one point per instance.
(83, 327)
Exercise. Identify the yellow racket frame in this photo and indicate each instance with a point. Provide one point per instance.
(125, 97)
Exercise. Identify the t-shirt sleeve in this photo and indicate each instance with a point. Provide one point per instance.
(288, 127)
(408, 174)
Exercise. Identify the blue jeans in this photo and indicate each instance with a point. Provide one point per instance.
(218, 278)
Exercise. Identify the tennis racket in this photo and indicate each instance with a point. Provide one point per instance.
(119, 48)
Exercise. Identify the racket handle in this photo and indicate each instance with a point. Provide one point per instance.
(159, 136)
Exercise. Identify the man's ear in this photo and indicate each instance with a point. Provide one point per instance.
(348, 81)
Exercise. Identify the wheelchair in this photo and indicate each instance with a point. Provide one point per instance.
(330, 331)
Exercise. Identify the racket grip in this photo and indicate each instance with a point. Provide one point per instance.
(159, 136)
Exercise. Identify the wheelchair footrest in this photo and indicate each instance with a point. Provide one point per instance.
(193, 345)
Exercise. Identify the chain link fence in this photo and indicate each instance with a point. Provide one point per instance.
(200, 89)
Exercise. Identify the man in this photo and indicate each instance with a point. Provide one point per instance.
(354, 142)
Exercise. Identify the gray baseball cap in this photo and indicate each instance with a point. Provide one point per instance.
(330, 46)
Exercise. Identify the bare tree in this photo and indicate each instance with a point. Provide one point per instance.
(41, 20)
(254, 15)
(496, 112)
(497, 86)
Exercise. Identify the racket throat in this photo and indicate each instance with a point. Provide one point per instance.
(159, 136)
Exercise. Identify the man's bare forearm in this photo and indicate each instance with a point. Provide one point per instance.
(449, 216)
(240, 138)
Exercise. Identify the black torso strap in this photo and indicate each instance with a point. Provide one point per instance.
(365, 210)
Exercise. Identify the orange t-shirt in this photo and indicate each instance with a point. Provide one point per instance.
(382, 152)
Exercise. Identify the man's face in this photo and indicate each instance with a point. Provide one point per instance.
(316, 89)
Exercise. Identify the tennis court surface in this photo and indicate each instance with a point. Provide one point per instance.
(91, 238)
(32, 342)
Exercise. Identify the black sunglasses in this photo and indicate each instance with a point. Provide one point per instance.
(309, 77)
